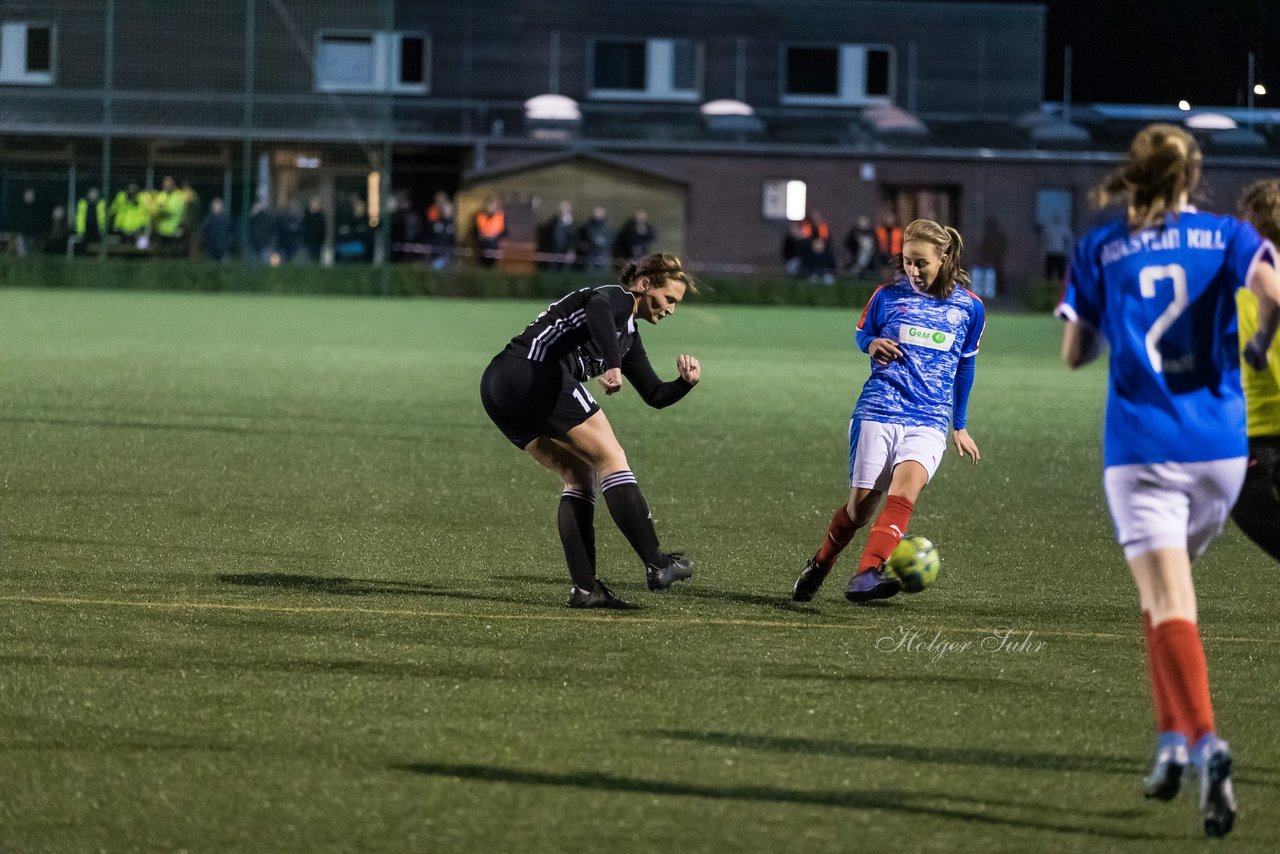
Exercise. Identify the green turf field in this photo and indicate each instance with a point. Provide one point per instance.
(270, 580)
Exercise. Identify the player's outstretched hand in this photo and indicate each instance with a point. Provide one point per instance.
(965, 445)
(884, 351)
(611, 380)
(690, 370)
(1255, 353)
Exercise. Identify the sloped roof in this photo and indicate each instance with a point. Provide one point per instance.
(591, 157)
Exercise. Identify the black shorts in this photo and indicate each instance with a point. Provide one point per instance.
(529, 399)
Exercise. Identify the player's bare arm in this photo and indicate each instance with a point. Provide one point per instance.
(1080, 345)
(1264, 281)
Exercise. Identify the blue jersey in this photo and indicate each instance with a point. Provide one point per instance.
(1164, 299)
(934, 335)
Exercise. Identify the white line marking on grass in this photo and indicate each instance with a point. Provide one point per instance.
(617, 619)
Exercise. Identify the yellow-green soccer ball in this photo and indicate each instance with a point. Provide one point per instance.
(915, 563)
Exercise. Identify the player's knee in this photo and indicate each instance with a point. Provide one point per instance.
(607, 460)
(579, 476)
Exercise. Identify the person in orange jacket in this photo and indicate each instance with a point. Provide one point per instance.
(490, 228)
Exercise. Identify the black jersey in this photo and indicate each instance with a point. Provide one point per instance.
(578, 329)
(591, 331)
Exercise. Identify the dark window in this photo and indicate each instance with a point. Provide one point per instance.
(619, 65)
(813, 71)
(39, 57)
(877, 72)
(413, 51)
(684, 75)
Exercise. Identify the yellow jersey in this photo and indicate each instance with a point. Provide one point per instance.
(1261, 388)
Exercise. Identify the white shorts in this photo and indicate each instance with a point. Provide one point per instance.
(1172, 505)
(876, 447)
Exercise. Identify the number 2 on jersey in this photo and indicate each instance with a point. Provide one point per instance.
(1147, 279)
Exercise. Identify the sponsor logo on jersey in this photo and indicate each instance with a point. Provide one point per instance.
(934, 339)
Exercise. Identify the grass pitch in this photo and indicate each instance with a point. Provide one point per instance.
(271, 581)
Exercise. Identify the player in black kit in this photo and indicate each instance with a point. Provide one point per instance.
(533, 392)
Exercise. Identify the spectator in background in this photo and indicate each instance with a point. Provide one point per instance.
(262, 233)
(129, 217)
(91, 219)
(635, 238)
(289, 231)
(353, 235)
(407, 230)
(595, 240)
(490, 228)
(55, 241)
(794, 247)
(216, 232)
(989, 270)
(888, 244)
(559, 236)
(818, 261)
(1058, 242)
(314, 225)
(27, 224)
(861, 245)
(170, 211)
(815, 227)
(442, 230)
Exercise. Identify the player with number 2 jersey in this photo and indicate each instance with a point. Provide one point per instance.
(1159, 286)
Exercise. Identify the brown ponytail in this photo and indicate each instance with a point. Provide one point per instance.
(950, 244)
(657, 268)
(1164, 163)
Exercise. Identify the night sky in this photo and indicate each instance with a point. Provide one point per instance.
(1125, 51)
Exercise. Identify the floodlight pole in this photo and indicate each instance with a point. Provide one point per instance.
(1066, 84)
(246, 157)
(108, 76)
(1249, 93)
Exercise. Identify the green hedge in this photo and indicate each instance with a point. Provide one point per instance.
(1043, 294)
(397, 280)
(409, 280)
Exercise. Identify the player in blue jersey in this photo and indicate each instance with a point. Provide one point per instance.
(922, 334)
(1159, 286)
(533, 392)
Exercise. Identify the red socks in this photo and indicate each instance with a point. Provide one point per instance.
(1179, 672)
(1165, 720)
(839, 533)
(886, 532)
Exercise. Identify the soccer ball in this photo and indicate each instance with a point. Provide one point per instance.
(915, 563)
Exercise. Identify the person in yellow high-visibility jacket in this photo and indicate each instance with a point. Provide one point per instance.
(170, 210)
(129, 215)
(91, 217)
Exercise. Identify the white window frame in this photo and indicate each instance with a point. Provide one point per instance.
(385, 61)
(13, 53)
(659, 70)
(852, 77)
(784, 200)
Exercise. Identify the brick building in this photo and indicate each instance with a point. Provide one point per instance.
(725, 116)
